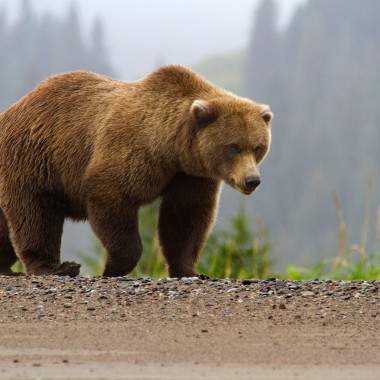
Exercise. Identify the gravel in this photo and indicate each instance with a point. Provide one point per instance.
(64, 298)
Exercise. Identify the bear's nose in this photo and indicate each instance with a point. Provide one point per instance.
(252, 182)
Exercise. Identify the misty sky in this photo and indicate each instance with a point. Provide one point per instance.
(142, 33)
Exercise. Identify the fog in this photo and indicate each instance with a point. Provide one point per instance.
(142, 33)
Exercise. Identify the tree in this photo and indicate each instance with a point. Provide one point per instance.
(320, 75)
(98, 49)
(262, 52)
(35, 47)
(72, 41)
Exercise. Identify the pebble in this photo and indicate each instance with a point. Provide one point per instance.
(307, 293)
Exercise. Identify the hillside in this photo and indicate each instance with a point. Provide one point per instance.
(224, 70)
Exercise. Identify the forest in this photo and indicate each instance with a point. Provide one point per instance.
(321, 77)
(34, 47)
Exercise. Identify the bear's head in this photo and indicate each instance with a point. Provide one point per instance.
(229, 138)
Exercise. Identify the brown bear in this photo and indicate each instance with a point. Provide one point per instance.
(86, 147)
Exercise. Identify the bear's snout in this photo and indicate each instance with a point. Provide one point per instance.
(251, 183)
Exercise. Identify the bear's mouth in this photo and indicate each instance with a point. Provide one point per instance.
(245, 191)
(240, 189)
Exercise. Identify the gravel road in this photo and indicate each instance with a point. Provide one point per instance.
(85, 328)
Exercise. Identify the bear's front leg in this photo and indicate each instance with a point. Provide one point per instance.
(117, 229)
(187, 214)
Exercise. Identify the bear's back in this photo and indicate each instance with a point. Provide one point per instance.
(46, 138)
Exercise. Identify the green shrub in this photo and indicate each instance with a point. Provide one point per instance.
(238, 252)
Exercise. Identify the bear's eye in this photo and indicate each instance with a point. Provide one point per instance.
(259, 152)
(234, 149)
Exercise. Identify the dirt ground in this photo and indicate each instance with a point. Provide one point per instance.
(62, 328)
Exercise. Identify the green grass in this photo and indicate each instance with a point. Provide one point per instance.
(367, 269)
(352, 261)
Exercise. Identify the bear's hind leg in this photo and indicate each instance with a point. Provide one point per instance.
(7, 253)
(117, 229)
(36, 230)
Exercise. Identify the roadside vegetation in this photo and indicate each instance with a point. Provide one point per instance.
(244, 250)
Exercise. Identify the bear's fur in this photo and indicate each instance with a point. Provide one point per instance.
(87, 147)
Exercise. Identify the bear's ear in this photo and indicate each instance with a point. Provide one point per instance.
(203, 112)
(267, 114)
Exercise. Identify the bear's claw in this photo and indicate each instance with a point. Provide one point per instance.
(10, 273)
(68, 268)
